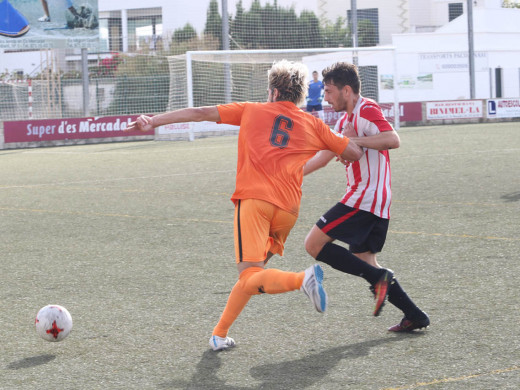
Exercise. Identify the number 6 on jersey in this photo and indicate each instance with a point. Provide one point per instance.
(279, 134)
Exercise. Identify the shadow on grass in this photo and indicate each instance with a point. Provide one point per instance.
(31, 362)
(293, 374)
(512, 197)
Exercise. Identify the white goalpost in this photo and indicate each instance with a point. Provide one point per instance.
(201, 78)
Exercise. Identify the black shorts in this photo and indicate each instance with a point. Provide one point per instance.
(363, 231)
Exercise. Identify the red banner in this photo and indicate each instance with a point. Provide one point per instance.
(39, 130)
(408, 111)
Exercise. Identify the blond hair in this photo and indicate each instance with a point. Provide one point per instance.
(290, 79)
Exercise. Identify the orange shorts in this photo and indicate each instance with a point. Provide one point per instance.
(260, 227)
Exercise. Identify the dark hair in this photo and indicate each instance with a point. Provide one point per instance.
(341, 74)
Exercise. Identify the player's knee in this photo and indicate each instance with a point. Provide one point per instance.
(312, 247)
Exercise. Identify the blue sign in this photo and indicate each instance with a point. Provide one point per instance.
(492, 107)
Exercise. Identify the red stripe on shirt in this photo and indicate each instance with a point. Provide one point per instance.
(385, 194)
(376, 191)
(362, 196)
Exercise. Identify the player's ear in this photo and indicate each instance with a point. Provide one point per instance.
(275, 94)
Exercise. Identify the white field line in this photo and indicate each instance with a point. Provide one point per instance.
(396, 156)
(115, 179)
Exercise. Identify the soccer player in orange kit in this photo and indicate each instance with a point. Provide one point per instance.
(275, 141)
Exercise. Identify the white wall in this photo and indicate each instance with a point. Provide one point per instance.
(496, 37)
(451, 51)
(396, 16)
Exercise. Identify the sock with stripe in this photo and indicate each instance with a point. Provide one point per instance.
(254, 281)
(343, 260)
(257, 280)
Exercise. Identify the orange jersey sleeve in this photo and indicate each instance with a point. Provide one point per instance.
(274, 143)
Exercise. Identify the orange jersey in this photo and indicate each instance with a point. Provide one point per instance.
(274, 143)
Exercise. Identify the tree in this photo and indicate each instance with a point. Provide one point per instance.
(187, 33)
(510, 4)
(214, 22)
(313, 35)
(250, 30)
(235, 26)
(367, 33)
(275, 27)
(336, 35)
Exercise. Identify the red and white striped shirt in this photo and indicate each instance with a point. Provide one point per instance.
(368, 180)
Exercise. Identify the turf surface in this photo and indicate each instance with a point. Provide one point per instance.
(135, 240)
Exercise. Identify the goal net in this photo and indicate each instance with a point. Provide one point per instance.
(204, 78)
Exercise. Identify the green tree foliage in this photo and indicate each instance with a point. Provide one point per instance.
(270, 26)
(510, 4)
(213, 25)
(337, 34)
(186, 38)
(310, 23)
(234, 26)
(187, 33)
(274, 27)
(367, 33)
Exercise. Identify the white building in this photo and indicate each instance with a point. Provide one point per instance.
(435, 66)
(397, 16)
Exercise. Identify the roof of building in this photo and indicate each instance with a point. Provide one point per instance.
(486, 20)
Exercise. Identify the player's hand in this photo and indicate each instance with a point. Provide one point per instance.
(343, 161)
(349, 131)
(142, 123)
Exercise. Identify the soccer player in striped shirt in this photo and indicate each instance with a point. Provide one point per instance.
(275, 141)
(361, 217)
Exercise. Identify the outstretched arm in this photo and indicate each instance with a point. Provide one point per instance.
(192, 114)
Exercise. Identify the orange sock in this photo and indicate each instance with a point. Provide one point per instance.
(253, 281)
(236, 302)
(270, 281)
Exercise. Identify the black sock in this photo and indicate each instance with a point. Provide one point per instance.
(344, 260)
(398, 297)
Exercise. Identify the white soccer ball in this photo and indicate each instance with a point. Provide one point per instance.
(53, 323)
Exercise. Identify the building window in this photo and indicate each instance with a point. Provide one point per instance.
(368, 26)
(454, 10)
(110, 34)
(144, 33)
(143, 30)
